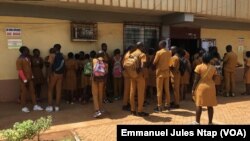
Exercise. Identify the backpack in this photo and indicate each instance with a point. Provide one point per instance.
(183, 65)
(59, 64)
(132, 64)
(87, 70)
(99, 71)
(117, 68)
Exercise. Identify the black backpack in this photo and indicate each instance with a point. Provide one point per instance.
(59, 64)
(183, 65)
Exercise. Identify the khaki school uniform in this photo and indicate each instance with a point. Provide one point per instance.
(98, 88)
(162, 61)
(217, 77)
(70, 80)
(55, 81)
(137, 84)
(48, 70)
(205, 94)
(151, 74)
(185, 78)
(37, 71)
(175, 76)
(24, 64)
(247, 71)
(230, 62)
(126, 88)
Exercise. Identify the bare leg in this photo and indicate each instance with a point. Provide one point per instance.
(210, 114)
(198, 113)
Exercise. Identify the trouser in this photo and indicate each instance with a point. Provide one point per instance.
(229, 81)
(117, 86)
(55, 81)
(97, 92)
(27, 88)
(175, 80)
(162, 82)
(126, 90)
(138, 85)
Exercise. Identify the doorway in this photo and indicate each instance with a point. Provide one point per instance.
(190, 45)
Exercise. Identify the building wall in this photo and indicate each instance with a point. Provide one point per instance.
(226, 37)
(43, 34)
(224, 8)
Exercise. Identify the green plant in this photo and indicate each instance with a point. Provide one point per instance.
(27, 129)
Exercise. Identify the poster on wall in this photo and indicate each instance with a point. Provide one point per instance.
(14, 43)
(13, 31)
(206, 43)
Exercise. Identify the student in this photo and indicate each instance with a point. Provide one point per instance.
(58, 67)
(108, 84)
(78, 91)
(126, 87)
(70, 79)
(175, 76)
(134, 61)
(216, 62)
(80, 75)
(48, 65)
(161, 61)
(26, 83)
(86, 84)
(247, 73)
(117, 74)
(100, 69)
(203, 90)
(230, 62)
(185, 76)
(37, 66)
(151, 73)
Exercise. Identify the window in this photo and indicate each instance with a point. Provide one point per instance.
(83, 31)
(148, 34)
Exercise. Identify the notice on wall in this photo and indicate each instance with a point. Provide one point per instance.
(12, 31)
(241, 41)
(14, 43)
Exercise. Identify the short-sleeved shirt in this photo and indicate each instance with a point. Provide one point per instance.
(230, 61)
(162, 62)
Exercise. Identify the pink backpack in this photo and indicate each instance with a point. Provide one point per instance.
(99, 71)
(117, 69)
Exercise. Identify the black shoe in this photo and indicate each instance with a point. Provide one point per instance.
(143, 114)
(126, 108)
(172, 103)
(133, 113)
(157, 109)
(176, 106)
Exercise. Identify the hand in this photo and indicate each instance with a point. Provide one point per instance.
(25, 81)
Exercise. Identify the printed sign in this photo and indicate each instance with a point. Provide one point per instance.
(241, 41)
(14, 43)
(11, 31)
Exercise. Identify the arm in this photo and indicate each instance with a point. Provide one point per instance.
(156, 59)
(20, 71)
(225, 59)
(196, 80)
(22, 76)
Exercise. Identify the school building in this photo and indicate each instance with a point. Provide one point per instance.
(82, 25)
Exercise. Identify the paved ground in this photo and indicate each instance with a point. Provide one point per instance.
(78, 118)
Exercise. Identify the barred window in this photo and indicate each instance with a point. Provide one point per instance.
(148, 34)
